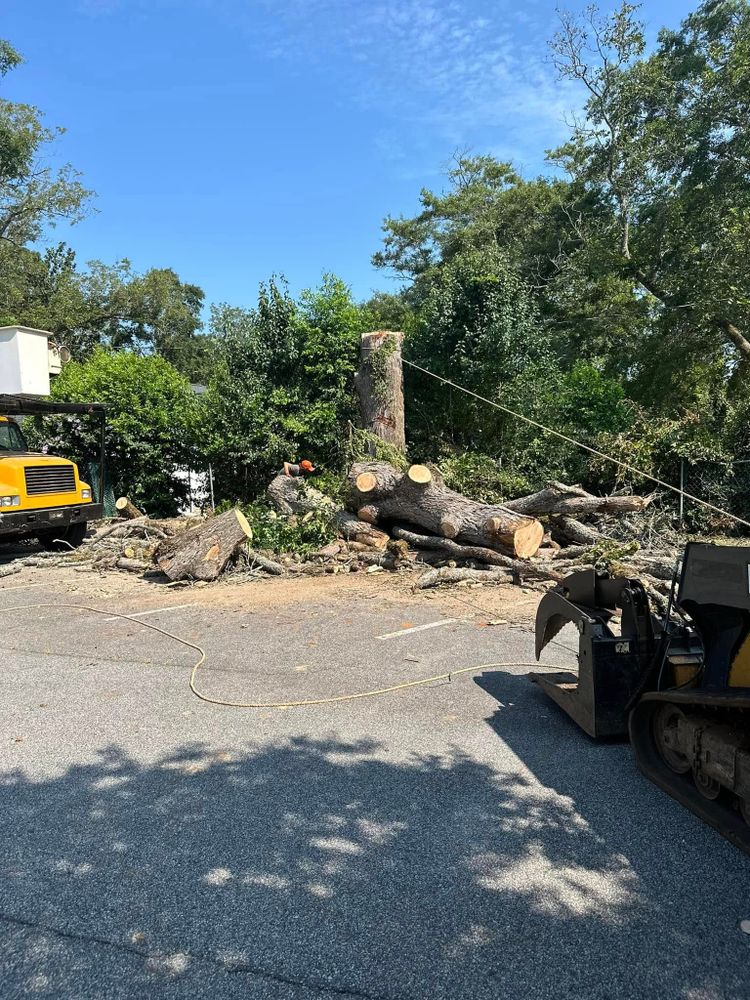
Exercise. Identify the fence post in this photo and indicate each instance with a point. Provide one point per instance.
(682, 490)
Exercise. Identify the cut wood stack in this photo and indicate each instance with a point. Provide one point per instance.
(393, 519)
(381, 494)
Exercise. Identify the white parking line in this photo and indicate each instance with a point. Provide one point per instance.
(153, 611)
(418, 628)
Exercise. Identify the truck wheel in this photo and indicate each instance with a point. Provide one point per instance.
(76, 533)
(54, 541)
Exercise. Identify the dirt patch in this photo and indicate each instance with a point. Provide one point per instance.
(489, 603)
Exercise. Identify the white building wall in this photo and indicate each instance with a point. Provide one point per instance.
(24, 360)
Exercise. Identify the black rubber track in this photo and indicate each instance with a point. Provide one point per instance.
(720, 813)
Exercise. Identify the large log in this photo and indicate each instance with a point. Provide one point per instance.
(203, 552)
(380, 386)
(569, 530)
(558, 498)
(126, 508)
(420, 497)
(452, 549)
(292, 495)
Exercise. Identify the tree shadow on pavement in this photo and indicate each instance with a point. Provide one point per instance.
(320, 867)
(691, 886)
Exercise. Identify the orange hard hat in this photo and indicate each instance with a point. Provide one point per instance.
(307, 465)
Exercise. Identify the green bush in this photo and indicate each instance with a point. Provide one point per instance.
(481, 477)
(299, 533)
(282, 388)
(150, 424)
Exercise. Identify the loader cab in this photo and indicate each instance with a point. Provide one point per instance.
(715, 591)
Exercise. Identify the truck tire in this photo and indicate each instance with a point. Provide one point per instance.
(53, 540)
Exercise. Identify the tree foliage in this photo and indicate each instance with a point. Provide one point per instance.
(151, 424)
(631, 266)
(282, 386)
(33, 195)
(609, 299)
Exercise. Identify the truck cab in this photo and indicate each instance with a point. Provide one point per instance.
(41, 496)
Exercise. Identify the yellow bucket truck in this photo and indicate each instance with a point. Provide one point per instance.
(42, 496)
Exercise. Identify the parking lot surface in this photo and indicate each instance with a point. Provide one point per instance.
(456, 840)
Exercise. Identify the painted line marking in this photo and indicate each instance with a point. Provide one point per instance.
(418, 628)
(153, 611)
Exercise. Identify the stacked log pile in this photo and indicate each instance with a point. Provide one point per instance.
(536, 539)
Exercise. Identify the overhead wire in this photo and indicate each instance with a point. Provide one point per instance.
(579, 444)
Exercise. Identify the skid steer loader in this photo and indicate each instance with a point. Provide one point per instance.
(678, 684)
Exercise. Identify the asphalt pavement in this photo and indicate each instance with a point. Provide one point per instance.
(458, 840)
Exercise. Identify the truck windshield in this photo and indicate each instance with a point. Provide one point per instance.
(11, 438)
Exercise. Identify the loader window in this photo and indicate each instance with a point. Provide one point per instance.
(11, 438)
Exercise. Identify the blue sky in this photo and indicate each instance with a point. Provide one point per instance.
(230, 139)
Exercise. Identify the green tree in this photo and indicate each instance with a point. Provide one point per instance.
(105, 305)
(488, 206)
(665, 144)
(151, 424)
(33, 195)
(282, 385)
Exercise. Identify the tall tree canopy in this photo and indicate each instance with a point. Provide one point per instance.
(665, 145)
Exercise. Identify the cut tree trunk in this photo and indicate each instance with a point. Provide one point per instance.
(420, 497)
(558, 498)
(450, 574)
(570, 531)
(263, 562)
(452, 549)
(353, 530)
(380, 386)
(203, 552)
(292, 495)
(125, 508)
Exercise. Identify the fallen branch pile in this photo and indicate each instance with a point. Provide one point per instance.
(394, 520)
(538, 538)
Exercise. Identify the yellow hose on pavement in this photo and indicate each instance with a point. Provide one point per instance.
(375, 692)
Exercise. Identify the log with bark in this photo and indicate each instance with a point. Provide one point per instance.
(203, 552)
(254, 559)
(126, 508)
(559, 498)
(292, 495)
(419, 496)
(571, 531)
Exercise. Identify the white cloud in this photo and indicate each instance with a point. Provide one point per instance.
(453, 71)
(437, 75)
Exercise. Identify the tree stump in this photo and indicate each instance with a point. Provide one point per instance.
(380, 386)
(420, 497)
(203, 552)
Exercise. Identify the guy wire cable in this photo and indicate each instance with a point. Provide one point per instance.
(578, 444)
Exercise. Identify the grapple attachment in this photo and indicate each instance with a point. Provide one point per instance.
(612, 661)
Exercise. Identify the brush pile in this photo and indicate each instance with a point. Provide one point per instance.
(393, 520)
